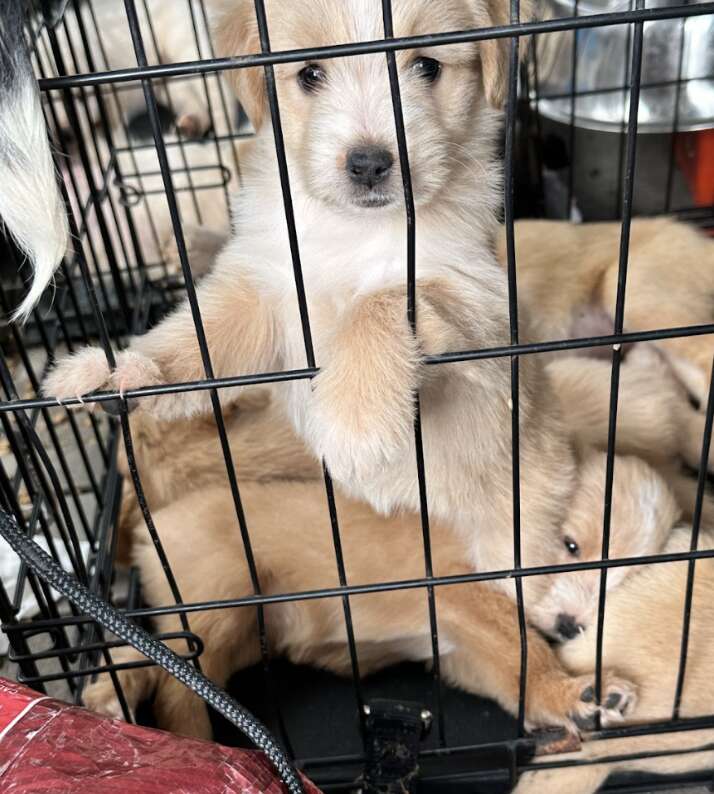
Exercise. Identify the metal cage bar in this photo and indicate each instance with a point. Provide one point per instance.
(54, 489)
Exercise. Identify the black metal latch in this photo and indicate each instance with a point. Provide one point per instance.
(393, 732)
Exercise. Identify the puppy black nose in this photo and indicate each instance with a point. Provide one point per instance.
(567, 627)
(369, 165)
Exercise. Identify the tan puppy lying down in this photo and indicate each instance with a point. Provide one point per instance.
(177, 458)
(291, 537)
(566, 270)
(642, 640)
(655, 418)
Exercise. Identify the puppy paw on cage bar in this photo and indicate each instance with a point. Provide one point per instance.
(422, 360)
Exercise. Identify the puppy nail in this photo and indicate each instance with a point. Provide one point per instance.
(588, 695)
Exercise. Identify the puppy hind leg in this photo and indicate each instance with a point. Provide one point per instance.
(230, 644)
(176, 707)
(180, 710)
(137, 685)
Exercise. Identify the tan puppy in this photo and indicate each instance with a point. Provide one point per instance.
(184, 456)
(641, 521)
(656, 422)
(566, 270)
(292, 543)
(358, 415)
(567, 277)
(642, 638)
(655, 418)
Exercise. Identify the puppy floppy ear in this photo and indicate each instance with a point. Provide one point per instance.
(495, 52)
(236, 33)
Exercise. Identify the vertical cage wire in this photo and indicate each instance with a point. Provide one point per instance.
(54, 488)
(150, 100)
(513, 323)
(627, 195)
(412, 318)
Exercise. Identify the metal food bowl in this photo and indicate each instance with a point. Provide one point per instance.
(583, 76)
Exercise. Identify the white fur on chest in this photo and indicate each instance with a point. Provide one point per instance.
(340, 257)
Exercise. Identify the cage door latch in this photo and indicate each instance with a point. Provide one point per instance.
(393, 732)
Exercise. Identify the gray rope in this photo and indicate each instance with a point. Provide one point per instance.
(108, 617)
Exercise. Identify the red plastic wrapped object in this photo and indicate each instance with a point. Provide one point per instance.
(50, 746)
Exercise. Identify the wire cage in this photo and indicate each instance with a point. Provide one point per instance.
(147, 137)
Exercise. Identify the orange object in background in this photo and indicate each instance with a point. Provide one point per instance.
(695, 157)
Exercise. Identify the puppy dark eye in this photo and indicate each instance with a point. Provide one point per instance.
(311, 77)
(427, 68)
(571, 546)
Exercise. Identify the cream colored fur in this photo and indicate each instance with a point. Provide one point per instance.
(566, 268)
(358, 413)
(358, 416)
(642, 638)
(655, 418)
(567, 277)
(292, 541)
(478, 629)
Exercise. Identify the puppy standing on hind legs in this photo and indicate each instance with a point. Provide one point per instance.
(339, 134)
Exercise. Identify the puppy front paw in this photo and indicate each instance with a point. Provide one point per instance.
(569, 701)
(87, 371)
(349, 455)
(77, 374)
(134, 370)
(619, 698)
(358, 435)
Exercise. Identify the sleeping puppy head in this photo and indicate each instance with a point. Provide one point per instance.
(337, 114)
(644, 511)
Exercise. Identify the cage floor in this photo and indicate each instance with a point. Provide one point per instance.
(314, 704)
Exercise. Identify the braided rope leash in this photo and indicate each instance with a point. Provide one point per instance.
(108, 617)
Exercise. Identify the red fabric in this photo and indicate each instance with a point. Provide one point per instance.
(49, 746)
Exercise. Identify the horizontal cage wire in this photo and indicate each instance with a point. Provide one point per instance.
(149, 144)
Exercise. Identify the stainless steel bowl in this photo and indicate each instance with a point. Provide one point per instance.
(677, 70)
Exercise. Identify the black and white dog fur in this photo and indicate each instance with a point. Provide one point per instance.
(31, 206)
